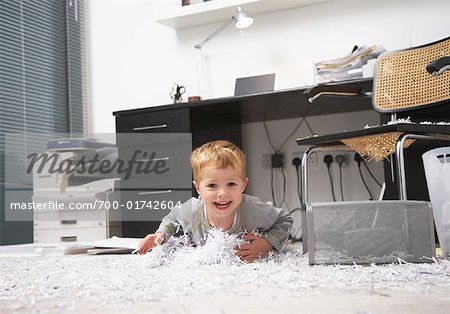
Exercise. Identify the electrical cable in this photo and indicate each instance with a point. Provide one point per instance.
(271, 187)
(296, 162)
(292, 133)
(359, 159)
(268, 137)
(364, 182)
(309, 127)
(275, 150)
(371, 174)
(328, 159)
(294, 237)
(340, 182)
(284, 191)
(340, 159)
(278, 151)
(331, 184)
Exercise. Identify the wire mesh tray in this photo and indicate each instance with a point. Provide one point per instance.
(367, 232)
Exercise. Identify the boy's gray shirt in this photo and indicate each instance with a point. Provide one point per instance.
(252, 215)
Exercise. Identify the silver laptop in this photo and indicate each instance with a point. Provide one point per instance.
(254, 84)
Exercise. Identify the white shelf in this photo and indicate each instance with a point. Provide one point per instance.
(220, 10)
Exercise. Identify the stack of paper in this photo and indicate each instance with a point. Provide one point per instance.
(114, 245)
(348, 67)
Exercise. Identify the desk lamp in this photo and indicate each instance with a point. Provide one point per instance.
(241, 20)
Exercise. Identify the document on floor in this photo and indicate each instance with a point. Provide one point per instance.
(113, 245)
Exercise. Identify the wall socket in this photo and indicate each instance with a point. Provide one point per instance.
(312, 160)
(267, 159)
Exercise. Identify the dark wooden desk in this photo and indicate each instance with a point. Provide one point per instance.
(276, 105)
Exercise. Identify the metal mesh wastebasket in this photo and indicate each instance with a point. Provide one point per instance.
(370, 232)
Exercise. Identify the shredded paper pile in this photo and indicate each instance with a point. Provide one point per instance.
(66, 283)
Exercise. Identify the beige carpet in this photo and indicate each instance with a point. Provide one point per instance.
(210, 280)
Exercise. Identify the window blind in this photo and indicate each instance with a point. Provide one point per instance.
(42, 81)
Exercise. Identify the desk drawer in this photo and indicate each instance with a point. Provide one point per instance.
(78, 219)
(180, 181)
(67, 224)
(131, 140)
(167, 121)
(156, 160)
(71, 234)
(151, 205)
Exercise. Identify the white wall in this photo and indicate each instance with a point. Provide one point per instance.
(134, 61)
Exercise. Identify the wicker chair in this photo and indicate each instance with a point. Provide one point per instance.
(404, 81)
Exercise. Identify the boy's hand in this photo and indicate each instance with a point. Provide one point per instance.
(150, 241)
(258, 247)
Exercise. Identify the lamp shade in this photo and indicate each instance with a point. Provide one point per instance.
(243, 20)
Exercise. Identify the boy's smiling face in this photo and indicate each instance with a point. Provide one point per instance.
(221, 190)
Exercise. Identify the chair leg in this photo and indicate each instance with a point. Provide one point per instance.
(304, 180)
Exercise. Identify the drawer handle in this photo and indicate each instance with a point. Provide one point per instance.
(155, 192)
(151, 127)
(69, 239)
(154, 159)
(68, 222)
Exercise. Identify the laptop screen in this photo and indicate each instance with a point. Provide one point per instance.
(254, 84)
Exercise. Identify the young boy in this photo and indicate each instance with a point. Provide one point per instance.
(219, 169)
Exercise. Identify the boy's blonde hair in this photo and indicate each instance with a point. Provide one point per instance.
(219, 153)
